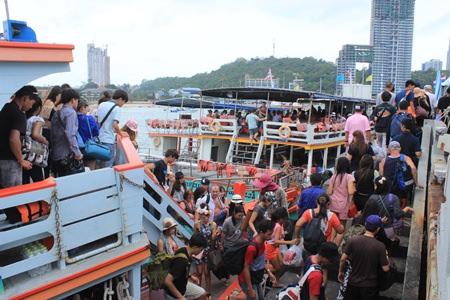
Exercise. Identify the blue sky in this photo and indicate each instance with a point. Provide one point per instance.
(151, 39)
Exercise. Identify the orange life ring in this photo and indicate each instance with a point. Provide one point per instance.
(215, 126)
(281, 134)
(156, 141)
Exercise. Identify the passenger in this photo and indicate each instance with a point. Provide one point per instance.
(382, 116)
(236, 201)
(356, 122)
(208, 229)
(433, 101)
(208, 198)
(308, 196)
(106, 97)
(367, 256)
(159, 167)
(279, 216)
(199, 193)
(407, 94)
(421, 99)
(87, 128)
(221, 204)
(177, 186)
(177, 284)
(252, 121)
(389, 88)
(166, 242)
(13, 127)
(364, 181)
(409, 143)
(188, 204)
(108, 117)
(358, 147)
(266, 184)
(64, 135)
(259, 214)
(252, 275)
(341, 190)
(131, 128)
(314, 287)
(396, 122)
(34, 128)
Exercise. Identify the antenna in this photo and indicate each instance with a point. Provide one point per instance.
(7, 9)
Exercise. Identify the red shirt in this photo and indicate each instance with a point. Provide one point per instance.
(333, 221)
(250, 255)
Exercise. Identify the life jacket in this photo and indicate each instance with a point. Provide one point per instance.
(27, 212)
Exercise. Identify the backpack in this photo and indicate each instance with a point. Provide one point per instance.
(234, 257)
(156, 271)
(313, 235)
(293, 291)
(403, 179)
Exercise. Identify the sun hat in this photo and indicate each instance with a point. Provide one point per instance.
(133, 125)
(394, 145)
(236, 199)
(265, 182)
(168, 223)
(373, 222)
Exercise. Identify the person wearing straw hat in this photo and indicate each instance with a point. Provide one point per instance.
(266, 184)
(131, 128)
(166, 242)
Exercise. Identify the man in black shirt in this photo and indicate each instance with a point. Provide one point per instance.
(176, 282)
(159, 167)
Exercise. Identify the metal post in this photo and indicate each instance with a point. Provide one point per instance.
(7, 9)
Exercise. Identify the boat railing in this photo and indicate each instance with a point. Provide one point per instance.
(89, 213)
(225, 127)
(304, 133)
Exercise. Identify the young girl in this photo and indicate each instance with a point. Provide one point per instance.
(272, 251)
(208, 229)
(131, 128)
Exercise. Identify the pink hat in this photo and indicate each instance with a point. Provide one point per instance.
(133, 125)
(265, 182)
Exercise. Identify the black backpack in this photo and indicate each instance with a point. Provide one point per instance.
(313, 236)
(234, 257)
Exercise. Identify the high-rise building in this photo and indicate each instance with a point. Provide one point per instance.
(98, 65)
(448, 56)
(435, 64)
(391, 36)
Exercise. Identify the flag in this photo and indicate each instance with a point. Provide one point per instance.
(369, 78)
(446, 83)
(268, 76)
(437, 85)
(340, 77)
(296, 88)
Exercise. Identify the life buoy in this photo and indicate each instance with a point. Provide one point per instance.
(215, 126)
(156, 141)
(281, 134)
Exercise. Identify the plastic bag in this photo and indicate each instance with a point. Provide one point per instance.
(293, 256)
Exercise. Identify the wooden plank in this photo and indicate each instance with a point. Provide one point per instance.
(90, 230)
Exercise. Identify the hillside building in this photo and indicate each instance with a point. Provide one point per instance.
(98, 65)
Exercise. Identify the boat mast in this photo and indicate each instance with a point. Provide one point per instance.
(7, 10)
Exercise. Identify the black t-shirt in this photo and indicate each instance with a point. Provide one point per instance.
(180, 271)
(356, 156)
(11, 117)
(160, 171)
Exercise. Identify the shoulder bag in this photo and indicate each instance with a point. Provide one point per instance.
(73, 165)
(420, 111)
(34, 152)
(94, 149)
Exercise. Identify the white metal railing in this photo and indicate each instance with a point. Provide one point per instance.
(225, 127)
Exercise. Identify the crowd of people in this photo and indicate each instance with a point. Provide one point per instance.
(56, 129)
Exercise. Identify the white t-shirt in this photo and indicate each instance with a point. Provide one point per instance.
(211, 205)
(107, 133)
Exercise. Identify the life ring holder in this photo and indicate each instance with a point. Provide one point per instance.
(156, 141)
(215, 126)
(281, 134)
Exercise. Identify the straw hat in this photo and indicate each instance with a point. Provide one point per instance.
(168, 223)
(236, 199)
(133, 125)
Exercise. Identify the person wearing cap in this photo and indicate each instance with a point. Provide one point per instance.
(409, 143)
(177, 186)
(357, 121)
(87, 127)
(64, 133)
(432, 97)
(13, 126)
(109, 124)
(314, 286)
(368, 255)
(266, 184)
(166, 242)
(159, 167)
(388, 169)
(389, 87)
(382, 116)
(131, 128)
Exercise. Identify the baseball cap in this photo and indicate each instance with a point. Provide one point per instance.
(358, 107)
(394, 145)
(373, 222)
(205, 181)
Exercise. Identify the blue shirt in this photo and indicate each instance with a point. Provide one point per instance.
(308, 199)
(64, 141)
(402, 94)
(84, 122)
(252, 121)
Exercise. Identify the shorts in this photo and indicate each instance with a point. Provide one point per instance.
(193, 291)
(342, 215)
(254, 131)
(271, 251)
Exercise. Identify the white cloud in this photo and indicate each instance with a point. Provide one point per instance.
(150, 39)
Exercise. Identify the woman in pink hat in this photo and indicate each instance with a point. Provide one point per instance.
(131, 128)
(266, 184)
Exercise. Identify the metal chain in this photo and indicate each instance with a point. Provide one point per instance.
(124, 178)
(55, 203)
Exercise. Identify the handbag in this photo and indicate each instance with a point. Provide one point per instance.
(215, 260)
(73, 166)
(34, 152)
(94, 149)
(420, 111)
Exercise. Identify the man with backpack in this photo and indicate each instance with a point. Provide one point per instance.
(396, 122)
(409, 143)
(251, 277)
(177, 285)
(382, 116)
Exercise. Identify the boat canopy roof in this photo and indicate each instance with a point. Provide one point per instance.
(197, 103)
(277, 95)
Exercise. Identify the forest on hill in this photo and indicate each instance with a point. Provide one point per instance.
(309, 69)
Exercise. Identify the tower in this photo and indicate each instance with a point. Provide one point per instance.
(98, 65)
(391, 36)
